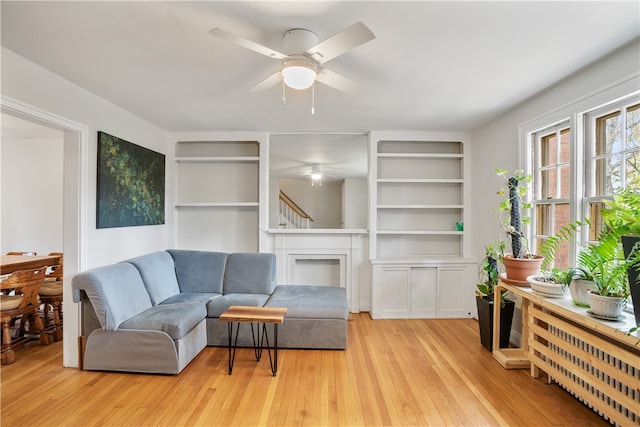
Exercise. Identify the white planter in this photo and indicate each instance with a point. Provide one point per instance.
(579, 290)
(606, 307)
(554, 290)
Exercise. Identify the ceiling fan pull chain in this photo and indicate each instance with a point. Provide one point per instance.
(313, 98)
(284, 99)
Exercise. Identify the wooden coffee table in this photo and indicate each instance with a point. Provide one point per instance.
(260, 315)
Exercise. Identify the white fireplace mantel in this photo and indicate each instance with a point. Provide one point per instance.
(344, 247)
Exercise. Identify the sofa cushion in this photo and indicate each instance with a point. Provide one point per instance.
(250, 273)
(200, 297)
(174, 319)
(311, 302)
(116, 293)
(199, 271)
(158, 274)
(217, 306)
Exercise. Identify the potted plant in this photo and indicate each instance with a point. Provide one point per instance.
(604, 264)
(520, 263)
(552, 283)
(488, 279)
(622, 226)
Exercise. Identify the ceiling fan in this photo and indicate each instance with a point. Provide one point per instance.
(302, 65)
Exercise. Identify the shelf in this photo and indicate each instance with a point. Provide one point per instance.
(216, 159)
(420, 207)
(216, 205)
(420, 181)
(421, 155)
(421, 232)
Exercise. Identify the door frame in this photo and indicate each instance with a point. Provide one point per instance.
(75, 202)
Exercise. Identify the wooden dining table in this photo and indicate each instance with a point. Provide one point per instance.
(11, 263)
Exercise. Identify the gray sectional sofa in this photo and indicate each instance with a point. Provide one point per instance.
(156, 312)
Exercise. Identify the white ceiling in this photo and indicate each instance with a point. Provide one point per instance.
(433, 65)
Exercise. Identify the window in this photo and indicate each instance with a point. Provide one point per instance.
(574, 171)
(612, 156)
(552, 186)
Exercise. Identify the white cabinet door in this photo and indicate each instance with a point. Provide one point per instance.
(452, 291)
(423, 293)
(394, 293)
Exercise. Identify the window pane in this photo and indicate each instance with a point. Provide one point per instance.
(565, 183)
(542, 220)
(548, 150)
(632, 178)
(548, 186)
(595, 217)
(607, 175)
(565, 146)
(633, 126)
(561, 219)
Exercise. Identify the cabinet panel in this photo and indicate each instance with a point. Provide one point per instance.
(452, 291)
(395, 288)
(423, 293)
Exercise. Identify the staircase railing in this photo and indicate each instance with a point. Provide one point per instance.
(292, 215)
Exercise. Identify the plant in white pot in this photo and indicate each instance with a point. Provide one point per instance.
(621, 218)
(554, 283)
(520, 263)
(605, 265)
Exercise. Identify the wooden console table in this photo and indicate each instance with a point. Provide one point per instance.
(597, 361)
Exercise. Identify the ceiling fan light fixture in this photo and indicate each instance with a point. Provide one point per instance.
(299, 73)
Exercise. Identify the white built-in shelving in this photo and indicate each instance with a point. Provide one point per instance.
(217, 193)
(418, 195)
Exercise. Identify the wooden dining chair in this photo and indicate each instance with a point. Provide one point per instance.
(51, 299)
(25, 304)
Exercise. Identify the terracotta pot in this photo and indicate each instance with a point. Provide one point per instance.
(518, 269)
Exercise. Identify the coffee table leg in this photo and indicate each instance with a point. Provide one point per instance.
(232, 356)
(257, 346)
(272, 363)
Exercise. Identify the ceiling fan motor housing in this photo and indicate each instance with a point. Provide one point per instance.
(298, 40)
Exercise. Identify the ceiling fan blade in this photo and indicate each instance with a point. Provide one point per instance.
(340, 43)
(248, 44)
(270, 81)
(337, 81)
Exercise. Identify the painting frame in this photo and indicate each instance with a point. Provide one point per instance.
(130, 184)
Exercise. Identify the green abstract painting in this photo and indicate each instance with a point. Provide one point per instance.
(130, 184)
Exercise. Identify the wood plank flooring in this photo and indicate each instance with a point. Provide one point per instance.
(393, 373)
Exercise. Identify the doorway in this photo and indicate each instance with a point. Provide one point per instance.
(74, 177)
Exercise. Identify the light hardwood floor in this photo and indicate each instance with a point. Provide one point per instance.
(393, 373)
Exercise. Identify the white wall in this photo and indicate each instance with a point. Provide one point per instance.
(31, 198)
(35, 86)
(355, 203)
